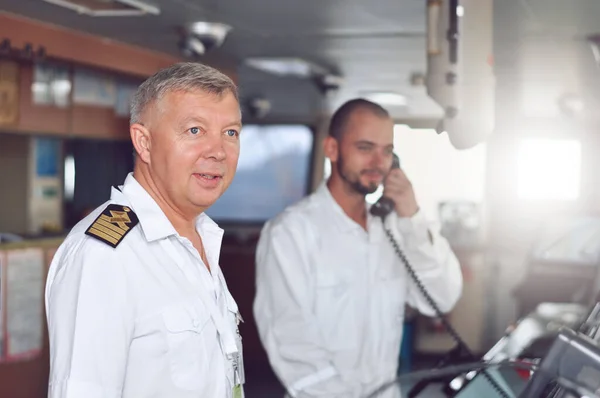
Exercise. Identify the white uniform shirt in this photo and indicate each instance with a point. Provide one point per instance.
(135, 320)
(330, 296)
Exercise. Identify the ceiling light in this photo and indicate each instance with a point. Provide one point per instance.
(286, 67)
(108, 8)
(211, 33)
(200, 37)
(191, 47)
(387, 98)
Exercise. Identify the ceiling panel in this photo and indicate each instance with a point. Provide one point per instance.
(375, 44)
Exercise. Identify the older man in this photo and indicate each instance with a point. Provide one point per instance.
(137, 304)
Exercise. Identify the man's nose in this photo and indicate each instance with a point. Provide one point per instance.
(214, 147)
(378, 160)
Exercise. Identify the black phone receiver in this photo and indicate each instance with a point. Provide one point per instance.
(385, 205)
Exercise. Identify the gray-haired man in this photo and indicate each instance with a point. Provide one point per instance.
(137, 304)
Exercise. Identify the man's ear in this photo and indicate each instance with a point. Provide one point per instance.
(140, 137)
(331, 148)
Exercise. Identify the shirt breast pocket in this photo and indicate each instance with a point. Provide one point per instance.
(335, 308)
(393, 287)
(186, 337)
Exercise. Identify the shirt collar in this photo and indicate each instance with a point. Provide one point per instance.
(341, 219)
(155, 223)
(212, 237)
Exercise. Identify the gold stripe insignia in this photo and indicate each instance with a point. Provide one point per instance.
(113, 224)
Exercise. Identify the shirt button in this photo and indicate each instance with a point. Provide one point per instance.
(195, 323)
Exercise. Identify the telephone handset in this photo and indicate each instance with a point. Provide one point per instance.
(385, 205)
(382, 208)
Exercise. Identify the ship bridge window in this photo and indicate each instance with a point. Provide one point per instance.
(273, 172)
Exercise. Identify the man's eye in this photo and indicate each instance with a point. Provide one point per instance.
(231, 133)
(194, 130)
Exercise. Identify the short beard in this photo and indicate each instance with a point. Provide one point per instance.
(355, 185)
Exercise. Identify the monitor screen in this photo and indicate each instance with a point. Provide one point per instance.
(272, 173)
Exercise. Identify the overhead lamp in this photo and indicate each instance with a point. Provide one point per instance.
(108, 8)
(200, 37)
(387, 98)
(326, 81)
(297, 67)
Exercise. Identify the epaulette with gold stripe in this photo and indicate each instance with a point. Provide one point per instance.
(113, 224)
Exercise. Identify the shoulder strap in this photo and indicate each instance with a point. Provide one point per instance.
(113, 224)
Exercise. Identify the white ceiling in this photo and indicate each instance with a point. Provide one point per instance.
(375, 45)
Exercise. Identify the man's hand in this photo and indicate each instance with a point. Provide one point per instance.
(398, 188)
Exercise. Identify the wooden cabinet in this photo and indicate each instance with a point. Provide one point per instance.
(74, 50)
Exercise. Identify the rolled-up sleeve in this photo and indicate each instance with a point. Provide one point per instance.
(433, 261)
(90, 321)
(282, 308)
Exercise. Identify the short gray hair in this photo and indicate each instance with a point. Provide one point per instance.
(184, 76)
